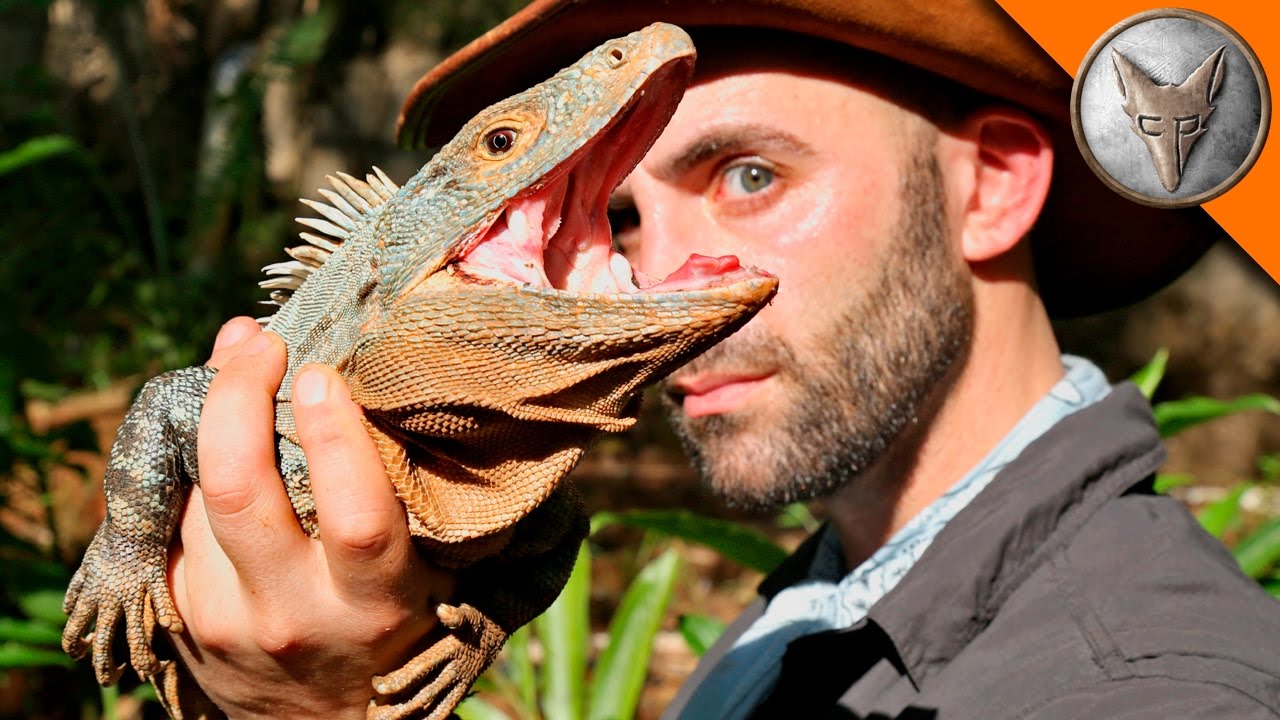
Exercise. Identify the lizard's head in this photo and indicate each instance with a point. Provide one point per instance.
(531, 177)
(526, 331)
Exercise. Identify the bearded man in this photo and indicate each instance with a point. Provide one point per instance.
(993, 549)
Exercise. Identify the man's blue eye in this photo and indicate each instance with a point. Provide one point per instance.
(748, 178)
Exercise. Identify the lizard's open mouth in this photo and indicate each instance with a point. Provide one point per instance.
(557, 235)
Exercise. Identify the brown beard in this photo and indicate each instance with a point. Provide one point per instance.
(850, 397)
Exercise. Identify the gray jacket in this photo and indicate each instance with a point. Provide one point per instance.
(1064, 590)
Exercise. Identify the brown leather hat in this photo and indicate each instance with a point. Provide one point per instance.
(1094, 250)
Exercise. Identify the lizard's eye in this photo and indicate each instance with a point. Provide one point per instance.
(500, 141)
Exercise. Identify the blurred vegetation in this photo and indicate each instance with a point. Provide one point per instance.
(151, 154)
(567, 680)
(1247, 515)
(149, 163)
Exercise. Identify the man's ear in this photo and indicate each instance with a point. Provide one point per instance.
(1012, 158)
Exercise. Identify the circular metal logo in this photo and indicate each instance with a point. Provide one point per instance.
(1170, 108)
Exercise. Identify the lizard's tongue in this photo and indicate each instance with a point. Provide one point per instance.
(698, 272)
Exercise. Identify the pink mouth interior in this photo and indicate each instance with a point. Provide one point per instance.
(558, 237)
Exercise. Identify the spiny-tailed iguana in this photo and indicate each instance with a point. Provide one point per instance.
(490, 332)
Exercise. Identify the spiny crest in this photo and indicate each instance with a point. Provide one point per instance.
(346, 209)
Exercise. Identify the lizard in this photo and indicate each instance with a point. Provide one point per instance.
(490, 331)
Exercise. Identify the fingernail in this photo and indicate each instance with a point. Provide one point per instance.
(310, 387)
(230, 334)
(259, 344)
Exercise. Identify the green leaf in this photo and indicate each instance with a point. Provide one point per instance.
(44, 605)
(740, 544)
(700, 632)
(1269, 467)
(145, 692)
(565, 632)
(35, 150)
(1149, 376)
(1168, 481)
(475, 708)
(498, 684)
(797, 515)
(1260, 551)
(28, 631)
(624, 664)
(110, 701)
(1272, 586)
(305, 40)
(25, 574)
(1221, 515)
(520, 667)
(1177, 415)
(20, 655)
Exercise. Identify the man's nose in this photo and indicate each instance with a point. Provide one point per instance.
(658, 246)
(670, 234)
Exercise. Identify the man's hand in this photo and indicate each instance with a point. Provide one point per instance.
(279, 624)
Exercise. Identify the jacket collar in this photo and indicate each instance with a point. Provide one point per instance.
(1034, 506)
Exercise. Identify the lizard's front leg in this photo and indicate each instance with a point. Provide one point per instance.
(495, 597)
(123, 575)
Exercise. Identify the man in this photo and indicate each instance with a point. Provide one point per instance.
(993, 549)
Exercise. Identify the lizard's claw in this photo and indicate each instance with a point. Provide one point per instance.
(456, 661)
(136, 591)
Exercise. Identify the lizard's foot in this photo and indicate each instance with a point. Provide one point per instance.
(456, 661)
(119, 579)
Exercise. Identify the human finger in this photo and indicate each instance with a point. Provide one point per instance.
(231, 335)
(202, 580)
(365, 533)
(248, 510)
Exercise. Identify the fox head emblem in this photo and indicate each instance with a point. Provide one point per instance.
(1169, 118)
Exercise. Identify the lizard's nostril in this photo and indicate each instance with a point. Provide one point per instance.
(616, 57)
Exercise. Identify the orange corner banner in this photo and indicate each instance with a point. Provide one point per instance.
(1067, 31)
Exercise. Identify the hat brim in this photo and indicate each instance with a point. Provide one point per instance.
(1094, 250)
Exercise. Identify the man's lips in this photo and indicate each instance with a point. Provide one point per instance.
(714, 394)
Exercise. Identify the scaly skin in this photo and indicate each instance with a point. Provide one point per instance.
(482, 323)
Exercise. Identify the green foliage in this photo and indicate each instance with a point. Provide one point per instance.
(476, 707)
(34, 150)
(137, 211)
(1259, 553)
(621, 670)
(305, 39)
(797, 515)
(1255, 546)
(1174, 416)
(31, 616)
(565, 632)
(1168, 481)
(1221, 516)
(732, 540)
(700, 632)
(31, 620)
(1149, 376)
(30, 631)
(567, 685)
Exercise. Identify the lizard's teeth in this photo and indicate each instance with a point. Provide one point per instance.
(623, 273)
(518, 223)
(551, 225)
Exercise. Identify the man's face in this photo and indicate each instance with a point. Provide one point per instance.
(835, 190)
